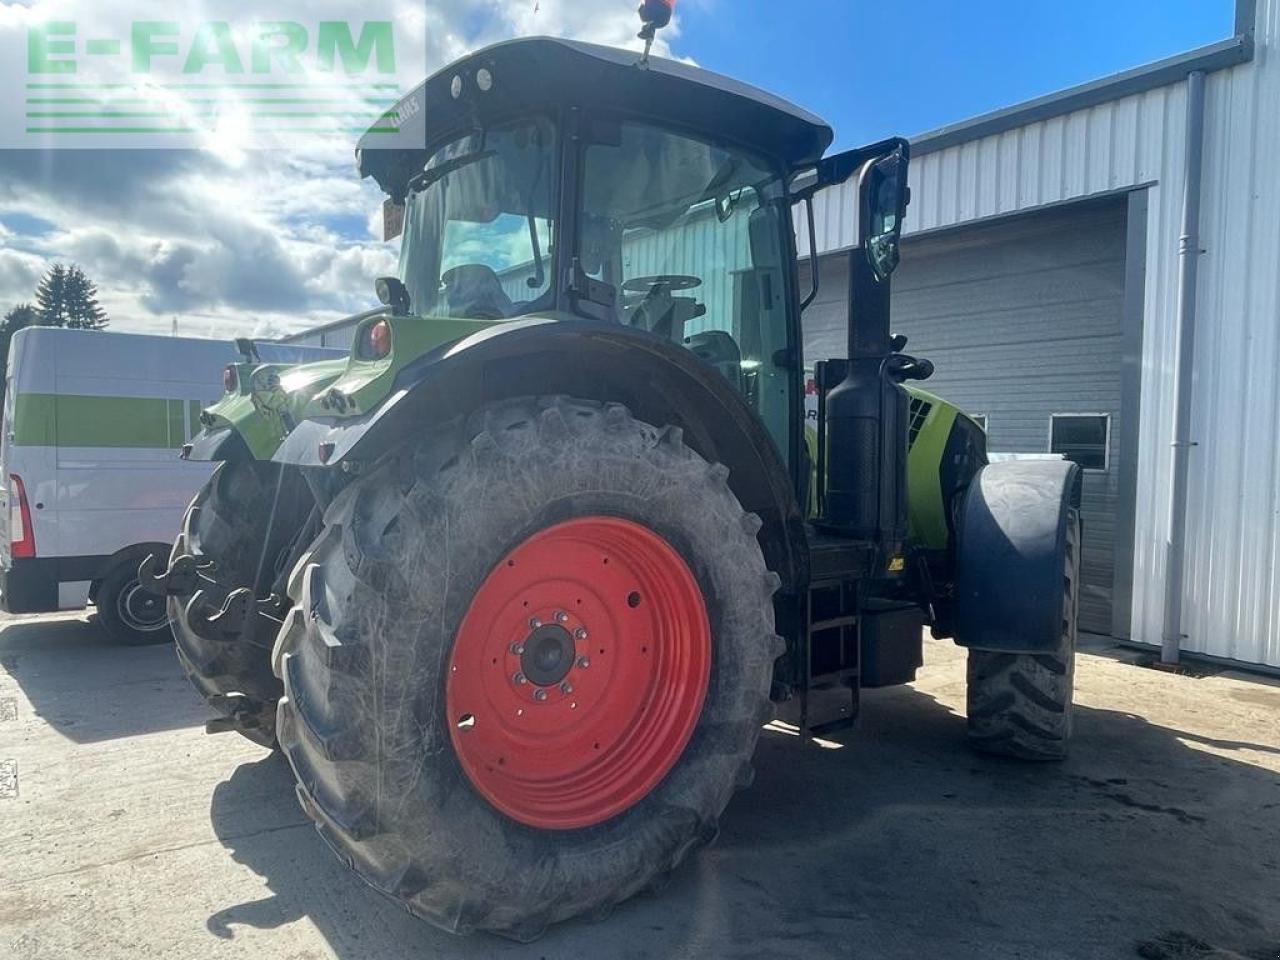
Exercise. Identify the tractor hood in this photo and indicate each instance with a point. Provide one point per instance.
(542, 73)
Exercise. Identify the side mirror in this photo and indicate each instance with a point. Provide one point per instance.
(883, 195)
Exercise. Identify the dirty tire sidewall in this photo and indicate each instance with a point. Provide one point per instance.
(242, 519)
(378, 603)
(1020, 705)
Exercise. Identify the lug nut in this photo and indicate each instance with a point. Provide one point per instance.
(580, 633)
(561, 616)
(540, 695)
(535, 623)
(519, 678)
(583, 663)
(566, 688)
(517, 649)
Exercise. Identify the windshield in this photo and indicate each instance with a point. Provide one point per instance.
(479, 229)
(688, 234)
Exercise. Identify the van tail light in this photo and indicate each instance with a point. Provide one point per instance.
(230, 379)
(22, 535)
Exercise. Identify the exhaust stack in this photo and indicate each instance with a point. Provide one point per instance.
(866, 413)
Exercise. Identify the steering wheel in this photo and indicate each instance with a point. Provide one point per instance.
(672, 281)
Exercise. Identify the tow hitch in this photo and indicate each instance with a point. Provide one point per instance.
(215, 611)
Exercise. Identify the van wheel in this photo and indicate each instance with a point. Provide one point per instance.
(129, 613)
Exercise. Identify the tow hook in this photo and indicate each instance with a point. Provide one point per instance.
(240, 714)
(181, 579)
(228, 622)
(215, 611)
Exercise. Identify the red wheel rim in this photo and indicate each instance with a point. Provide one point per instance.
(565, 733)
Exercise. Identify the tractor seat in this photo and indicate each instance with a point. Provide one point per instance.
(721, 351)
(474, 292)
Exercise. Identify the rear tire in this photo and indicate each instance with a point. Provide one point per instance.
(245, 519)
(1020, 705)
(371, 652)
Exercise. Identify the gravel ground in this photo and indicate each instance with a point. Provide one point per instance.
(126, 832)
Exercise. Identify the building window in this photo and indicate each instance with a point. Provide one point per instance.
(1081, 437)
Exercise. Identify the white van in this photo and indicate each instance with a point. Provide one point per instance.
(93, 425)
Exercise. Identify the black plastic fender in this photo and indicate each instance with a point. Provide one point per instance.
(659, 381)
(1011, 553)
(221, 443)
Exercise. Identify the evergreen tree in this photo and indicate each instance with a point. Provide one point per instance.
(81, 297)
(23, 315)
(51, 297)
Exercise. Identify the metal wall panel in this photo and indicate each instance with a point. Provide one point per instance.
(1233, 549)
(1232, 603)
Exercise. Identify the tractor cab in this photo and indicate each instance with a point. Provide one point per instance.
(547, 177)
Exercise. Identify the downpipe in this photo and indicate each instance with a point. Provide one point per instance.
(1188, 273)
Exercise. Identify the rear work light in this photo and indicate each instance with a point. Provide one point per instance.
(656, 12)
(230, 379)
(375, 341)
(22, 535)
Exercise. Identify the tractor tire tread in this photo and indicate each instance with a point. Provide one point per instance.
(375, 597)
(1020, 705)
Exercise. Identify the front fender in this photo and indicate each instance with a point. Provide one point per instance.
(660, 382)
(1011, 553)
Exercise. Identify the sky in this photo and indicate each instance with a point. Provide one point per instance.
(228, 243)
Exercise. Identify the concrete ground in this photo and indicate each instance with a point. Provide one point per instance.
(126, 832)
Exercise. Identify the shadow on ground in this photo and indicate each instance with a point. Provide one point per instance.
(893, 842)
(69, 669)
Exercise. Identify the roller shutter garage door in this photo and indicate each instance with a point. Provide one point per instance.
(1023, 319)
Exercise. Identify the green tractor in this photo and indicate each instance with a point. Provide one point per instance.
(515, 585)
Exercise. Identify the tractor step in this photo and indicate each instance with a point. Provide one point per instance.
(829, 698)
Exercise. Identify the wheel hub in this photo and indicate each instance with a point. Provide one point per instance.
(578, 674)
(548, 655)
(141, 609)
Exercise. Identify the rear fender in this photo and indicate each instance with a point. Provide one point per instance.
(660, 382)
(1011, 554)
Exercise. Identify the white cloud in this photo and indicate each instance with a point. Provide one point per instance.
(19, 273)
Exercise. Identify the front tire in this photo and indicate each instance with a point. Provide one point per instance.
(1020, 705)
(453, 746)
(246, 520)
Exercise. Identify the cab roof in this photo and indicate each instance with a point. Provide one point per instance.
(541, 72)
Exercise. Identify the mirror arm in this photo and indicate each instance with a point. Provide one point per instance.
(539, 273)
(814, 278)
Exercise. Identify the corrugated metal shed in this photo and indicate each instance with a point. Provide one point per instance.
(1232, 602)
